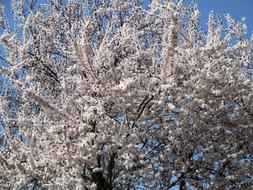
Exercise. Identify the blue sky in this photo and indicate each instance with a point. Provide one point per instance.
(236, 8)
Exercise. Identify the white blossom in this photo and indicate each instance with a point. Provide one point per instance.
(109, 95)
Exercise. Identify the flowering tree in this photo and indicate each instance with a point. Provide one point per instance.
(119, 95)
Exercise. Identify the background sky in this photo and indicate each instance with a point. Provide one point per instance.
(236, 8)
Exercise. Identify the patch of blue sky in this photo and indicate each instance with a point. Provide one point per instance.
(248, 71)
(120, 118)
(237, 10)
(197, 155)
(1, 124)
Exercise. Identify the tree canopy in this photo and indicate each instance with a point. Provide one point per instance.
(124, 95)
